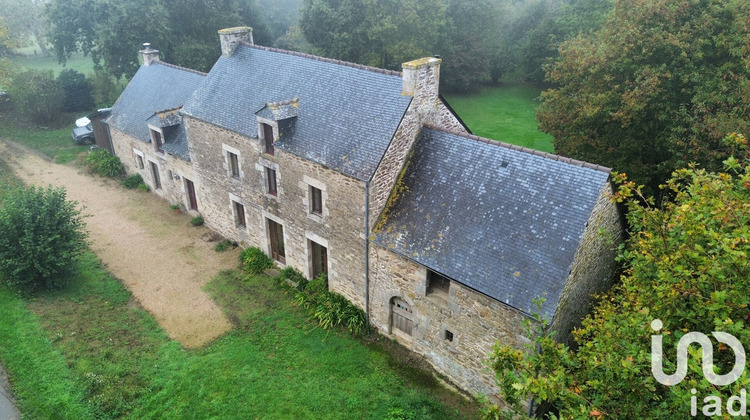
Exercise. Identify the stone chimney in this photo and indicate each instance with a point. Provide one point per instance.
(230, 37)
(149, 55)
(421, 79)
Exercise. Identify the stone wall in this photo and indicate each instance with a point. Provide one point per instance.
(340, 227)
(173, 190)
(593, 267)
(475, 321)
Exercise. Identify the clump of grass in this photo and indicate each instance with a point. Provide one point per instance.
(133, 181)
(143, 187)
(223, 245)
(197, 220)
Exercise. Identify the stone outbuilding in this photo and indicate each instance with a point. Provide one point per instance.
(367, 175)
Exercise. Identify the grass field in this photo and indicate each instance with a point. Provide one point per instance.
(53, 142)
(77, 62)
(90, 351)
(505, 113)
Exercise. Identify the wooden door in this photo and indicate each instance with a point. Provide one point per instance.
(319, 259)
(276, 236)
(191, 194)
(402, 318)
(155, 174)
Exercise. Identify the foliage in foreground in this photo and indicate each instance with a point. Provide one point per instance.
(686, 264)
(328, 308)
(42, 235)
(132, 182)
(100, 162)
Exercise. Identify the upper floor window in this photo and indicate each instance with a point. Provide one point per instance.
(316, 201)
(271, 180)
(157, 139)
(437, 284)
(234, 165)
(267, 138)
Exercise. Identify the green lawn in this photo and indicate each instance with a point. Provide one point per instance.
(53, 142)
(505, 113)
(77, 62)
(91, 352)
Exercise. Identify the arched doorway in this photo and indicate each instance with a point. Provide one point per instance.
(402, 317)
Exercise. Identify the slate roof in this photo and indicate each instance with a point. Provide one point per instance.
(175, 142)
(153, 88)
(504, 222)
(346, 114)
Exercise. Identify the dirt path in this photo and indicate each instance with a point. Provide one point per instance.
(158, 255)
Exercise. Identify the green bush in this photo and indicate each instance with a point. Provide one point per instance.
(37, 95)
(133, 181)
(42, 235)
(100, 162)
(105, 90)
(197, 220)
(145, 188)
(254, 261)
(290, 274)
(77, 91)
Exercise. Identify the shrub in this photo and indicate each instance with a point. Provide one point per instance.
(330, 309)
(105, 90)
(42, 235)
(254, 261)
(37, 95)
(100, 162)
(290, 275)
(77, 91)
(133, 181)
(145, 188)
(197, 220)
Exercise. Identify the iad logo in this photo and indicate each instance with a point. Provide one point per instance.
(713, 404)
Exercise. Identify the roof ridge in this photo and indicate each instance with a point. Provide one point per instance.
(535, 152)
(323, 59)
(168, 109)
(175, 66)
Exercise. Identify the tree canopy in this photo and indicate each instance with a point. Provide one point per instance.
(686, 265)
(658, 86)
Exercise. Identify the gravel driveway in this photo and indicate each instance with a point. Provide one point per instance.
(158, 255)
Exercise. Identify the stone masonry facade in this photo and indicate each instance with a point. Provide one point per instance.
(173, 172)
(454, 331)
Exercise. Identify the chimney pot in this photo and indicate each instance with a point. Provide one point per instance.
(230, 37)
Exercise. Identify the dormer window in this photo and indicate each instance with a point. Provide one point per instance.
(267, 138)
(157, 139)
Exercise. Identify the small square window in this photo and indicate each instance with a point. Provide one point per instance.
(448, 336)
(316, 201)
(239, 214)
(271, 180)
(140, 161)
(437, 284)
(234, 165)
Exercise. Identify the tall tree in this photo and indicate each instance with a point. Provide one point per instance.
(659, 85)
(25, 19)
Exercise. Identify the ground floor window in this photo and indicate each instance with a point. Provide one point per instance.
(276, 238)
(239, 215)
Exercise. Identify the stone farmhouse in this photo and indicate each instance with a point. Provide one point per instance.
(365, 174)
